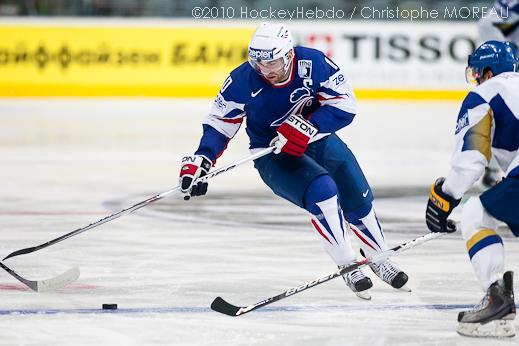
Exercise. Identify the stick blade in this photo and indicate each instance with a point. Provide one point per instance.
(59, 281)
(20, 252)
(223, 307)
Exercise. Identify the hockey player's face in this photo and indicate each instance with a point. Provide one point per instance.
(474, 76)
(272, 70)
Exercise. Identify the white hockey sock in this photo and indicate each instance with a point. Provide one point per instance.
(487, 256)
(489, 265)
(370, 233)
(331, 228)
(484, 245)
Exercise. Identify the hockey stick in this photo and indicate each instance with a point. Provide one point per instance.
(51, 284)
(220, 305)
(138, 205)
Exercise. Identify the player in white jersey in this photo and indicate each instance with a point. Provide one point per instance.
(296, 98)
(488, 125)
(500, 24)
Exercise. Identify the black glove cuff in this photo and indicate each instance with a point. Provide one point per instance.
(205, 165)
(440, 199)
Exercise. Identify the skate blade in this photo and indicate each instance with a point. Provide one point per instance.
(510, 316)
(493, 329)
(363, 295)
(404, 289)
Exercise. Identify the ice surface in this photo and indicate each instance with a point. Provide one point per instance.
(67, 163)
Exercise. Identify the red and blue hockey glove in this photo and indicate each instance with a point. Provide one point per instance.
(439, 207)
(293, 137)
(193, 167)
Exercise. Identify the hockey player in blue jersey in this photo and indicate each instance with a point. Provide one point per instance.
(296, 99)
(488, 125)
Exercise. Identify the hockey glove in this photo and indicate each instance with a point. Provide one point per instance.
(294, 134)
(193, 168)
(439, 207)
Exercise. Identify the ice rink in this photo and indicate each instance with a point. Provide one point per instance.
(67, 163)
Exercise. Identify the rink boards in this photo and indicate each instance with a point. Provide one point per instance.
(185, 58)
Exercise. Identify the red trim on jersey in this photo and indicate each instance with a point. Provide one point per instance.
(227, 143)
(318, 229)
(221, 152)
(322, 98)
(233, 121)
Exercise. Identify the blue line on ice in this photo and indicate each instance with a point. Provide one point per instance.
(191, 310)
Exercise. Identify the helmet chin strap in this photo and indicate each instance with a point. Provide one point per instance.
(288, 61)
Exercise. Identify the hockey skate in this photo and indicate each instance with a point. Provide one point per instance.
(389, 272)
(358, 283)
(494, 315)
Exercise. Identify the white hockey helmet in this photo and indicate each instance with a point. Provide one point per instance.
(271, 45)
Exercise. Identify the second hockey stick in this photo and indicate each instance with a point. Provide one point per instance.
(51, 284)
(139, 205)
(220, 305)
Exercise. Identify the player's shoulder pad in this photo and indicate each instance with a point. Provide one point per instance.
(480, 95)
(493, 86)
(308, 53)
(316, 56)
(471, 101)
(323, 66)
(236, 86)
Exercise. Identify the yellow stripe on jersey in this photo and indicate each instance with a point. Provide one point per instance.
(478, 136)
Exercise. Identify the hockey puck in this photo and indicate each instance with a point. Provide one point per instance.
(109, 306)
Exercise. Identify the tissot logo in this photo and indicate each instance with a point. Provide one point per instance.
(403, 47)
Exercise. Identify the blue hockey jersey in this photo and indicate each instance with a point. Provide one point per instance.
(317, 90)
